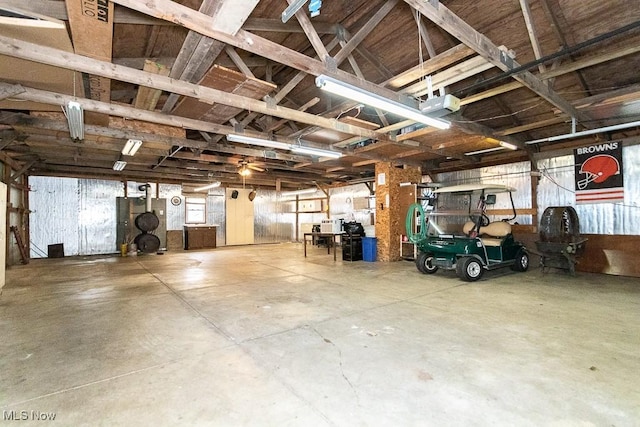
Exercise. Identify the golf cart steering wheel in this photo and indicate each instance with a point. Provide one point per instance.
(484, 220)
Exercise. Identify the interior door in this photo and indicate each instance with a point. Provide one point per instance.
(239, 217)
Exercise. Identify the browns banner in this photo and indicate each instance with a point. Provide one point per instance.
(599, 173)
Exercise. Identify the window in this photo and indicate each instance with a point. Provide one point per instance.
(195, 210)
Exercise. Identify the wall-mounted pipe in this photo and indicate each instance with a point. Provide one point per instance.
(586, 132)
(147, 196)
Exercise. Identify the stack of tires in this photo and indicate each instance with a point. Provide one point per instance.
(147, 242)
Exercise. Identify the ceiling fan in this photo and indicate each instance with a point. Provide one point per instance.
(245, 168)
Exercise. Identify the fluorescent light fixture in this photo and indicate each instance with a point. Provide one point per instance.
(284, 146)
(258, 141)
(508, 145)
(299, 192)
(131, 147)
(486, 150)
(359, 95)
(75, 118)
(119, 165)
(208, 186)
(315, 151)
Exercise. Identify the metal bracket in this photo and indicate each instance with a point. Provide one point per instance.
(271, 102)
(331, 64)
(292, 9)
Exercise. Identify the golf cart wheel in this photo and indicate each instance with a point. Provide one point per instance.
(469, 269)
(424, 262)
(521, 263)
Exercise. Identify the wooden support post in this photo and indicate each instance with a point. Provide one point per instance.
(389, 218)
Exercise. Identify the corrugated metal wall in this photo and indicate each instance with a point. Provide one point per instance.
(516, 175)
(81, 213)
(271, 224)
(557, 188)
(345, 203)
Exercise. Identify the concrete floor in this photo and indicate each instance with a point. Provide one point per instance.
(261, 336)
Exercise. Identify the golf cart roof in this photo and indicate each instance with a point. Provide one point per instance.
(470, 188)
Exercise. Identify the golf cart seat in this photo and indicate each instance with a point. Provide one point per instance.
(492, 234)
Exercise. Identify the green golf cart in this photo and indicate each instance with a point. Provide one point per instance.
(459, 236)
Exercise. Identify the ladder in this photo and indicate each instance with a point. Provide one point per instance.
(23, 250)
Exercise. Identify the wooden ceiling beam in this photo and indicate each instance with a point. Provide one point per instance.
(305, 107)
(277, 26)
(129, 112)
(9, 91)
(312, 35)
(531, 29)
(363, 163)
(68, 60)
(561, 70)
(430, 66)
(239, 62)
(198, 53)
(366, 29)
(26, 122)
(382, 69)
(62, 170)
(451, 75)
(91, 25)
(450, 22)
(56, 9)
(424, 36)
(189, 18)
(358, 72)
(557, 22)
(146, 97)
(284, 90)
(534, 125)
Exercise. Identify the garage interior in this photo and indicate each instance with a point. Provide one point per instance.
(164, 164)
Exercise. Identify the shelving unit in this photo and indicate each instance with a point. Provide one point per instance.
(409, 194)
(408, 250)
(351, 247)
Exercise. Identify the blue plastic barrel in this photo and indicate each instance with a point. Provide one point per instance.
(369, 249)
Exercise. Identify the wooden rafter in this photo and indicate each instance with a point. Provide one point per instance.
(430, 66)
(312, 35)
(91, 26)
(245, 40)
(147, 98)
(561, 70)
(148, 116)
(531, 29)
(239, 62)
(447, 20)
(198, 53)
(365, 30)
(62, 59)
(556, 18)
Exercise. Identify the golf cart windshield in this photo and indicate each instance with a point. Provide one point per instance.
(460, 204)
